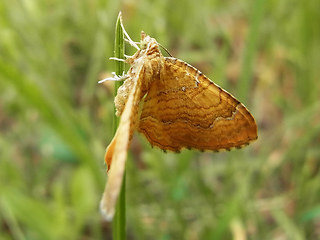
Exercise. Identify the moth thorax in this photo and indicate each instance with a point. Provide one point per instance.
(152, 69)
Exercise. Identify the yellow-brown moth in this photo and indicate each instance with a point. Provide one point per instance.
(180, 108)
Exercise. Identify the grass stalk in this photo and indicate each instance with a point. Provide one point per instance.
(119, 221)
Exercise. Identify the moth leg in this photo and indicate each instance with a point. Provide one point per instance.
(127, 56)
(117, 59)
(120, 59)
(115, 77)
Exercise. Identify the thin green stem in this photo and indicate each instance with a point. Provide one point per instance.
(119, 221)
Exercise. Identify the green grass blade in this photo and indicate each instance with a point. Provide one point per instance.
(119, 222)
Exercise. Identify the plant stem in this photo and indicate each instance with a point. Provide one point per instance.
(119, 221)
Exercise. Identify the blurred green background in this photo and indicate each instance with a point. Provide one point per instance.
(55, 120)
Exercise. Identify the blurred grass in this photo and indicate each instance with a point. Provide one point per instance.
(55, 121)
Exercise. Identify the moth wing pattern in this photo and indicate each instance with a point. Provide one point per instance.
(187, 110)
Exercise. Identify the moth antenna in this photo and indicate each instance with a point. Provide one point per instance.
(165, 50)
(129, 40)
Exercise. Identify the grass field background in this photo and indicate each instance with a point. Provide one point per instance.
(55, 121)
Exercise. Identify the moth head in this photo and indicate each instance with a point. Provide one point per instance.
(144, 40)
(148, 44)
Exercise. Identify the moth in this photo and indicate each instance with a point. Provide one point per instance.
(179, 108)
